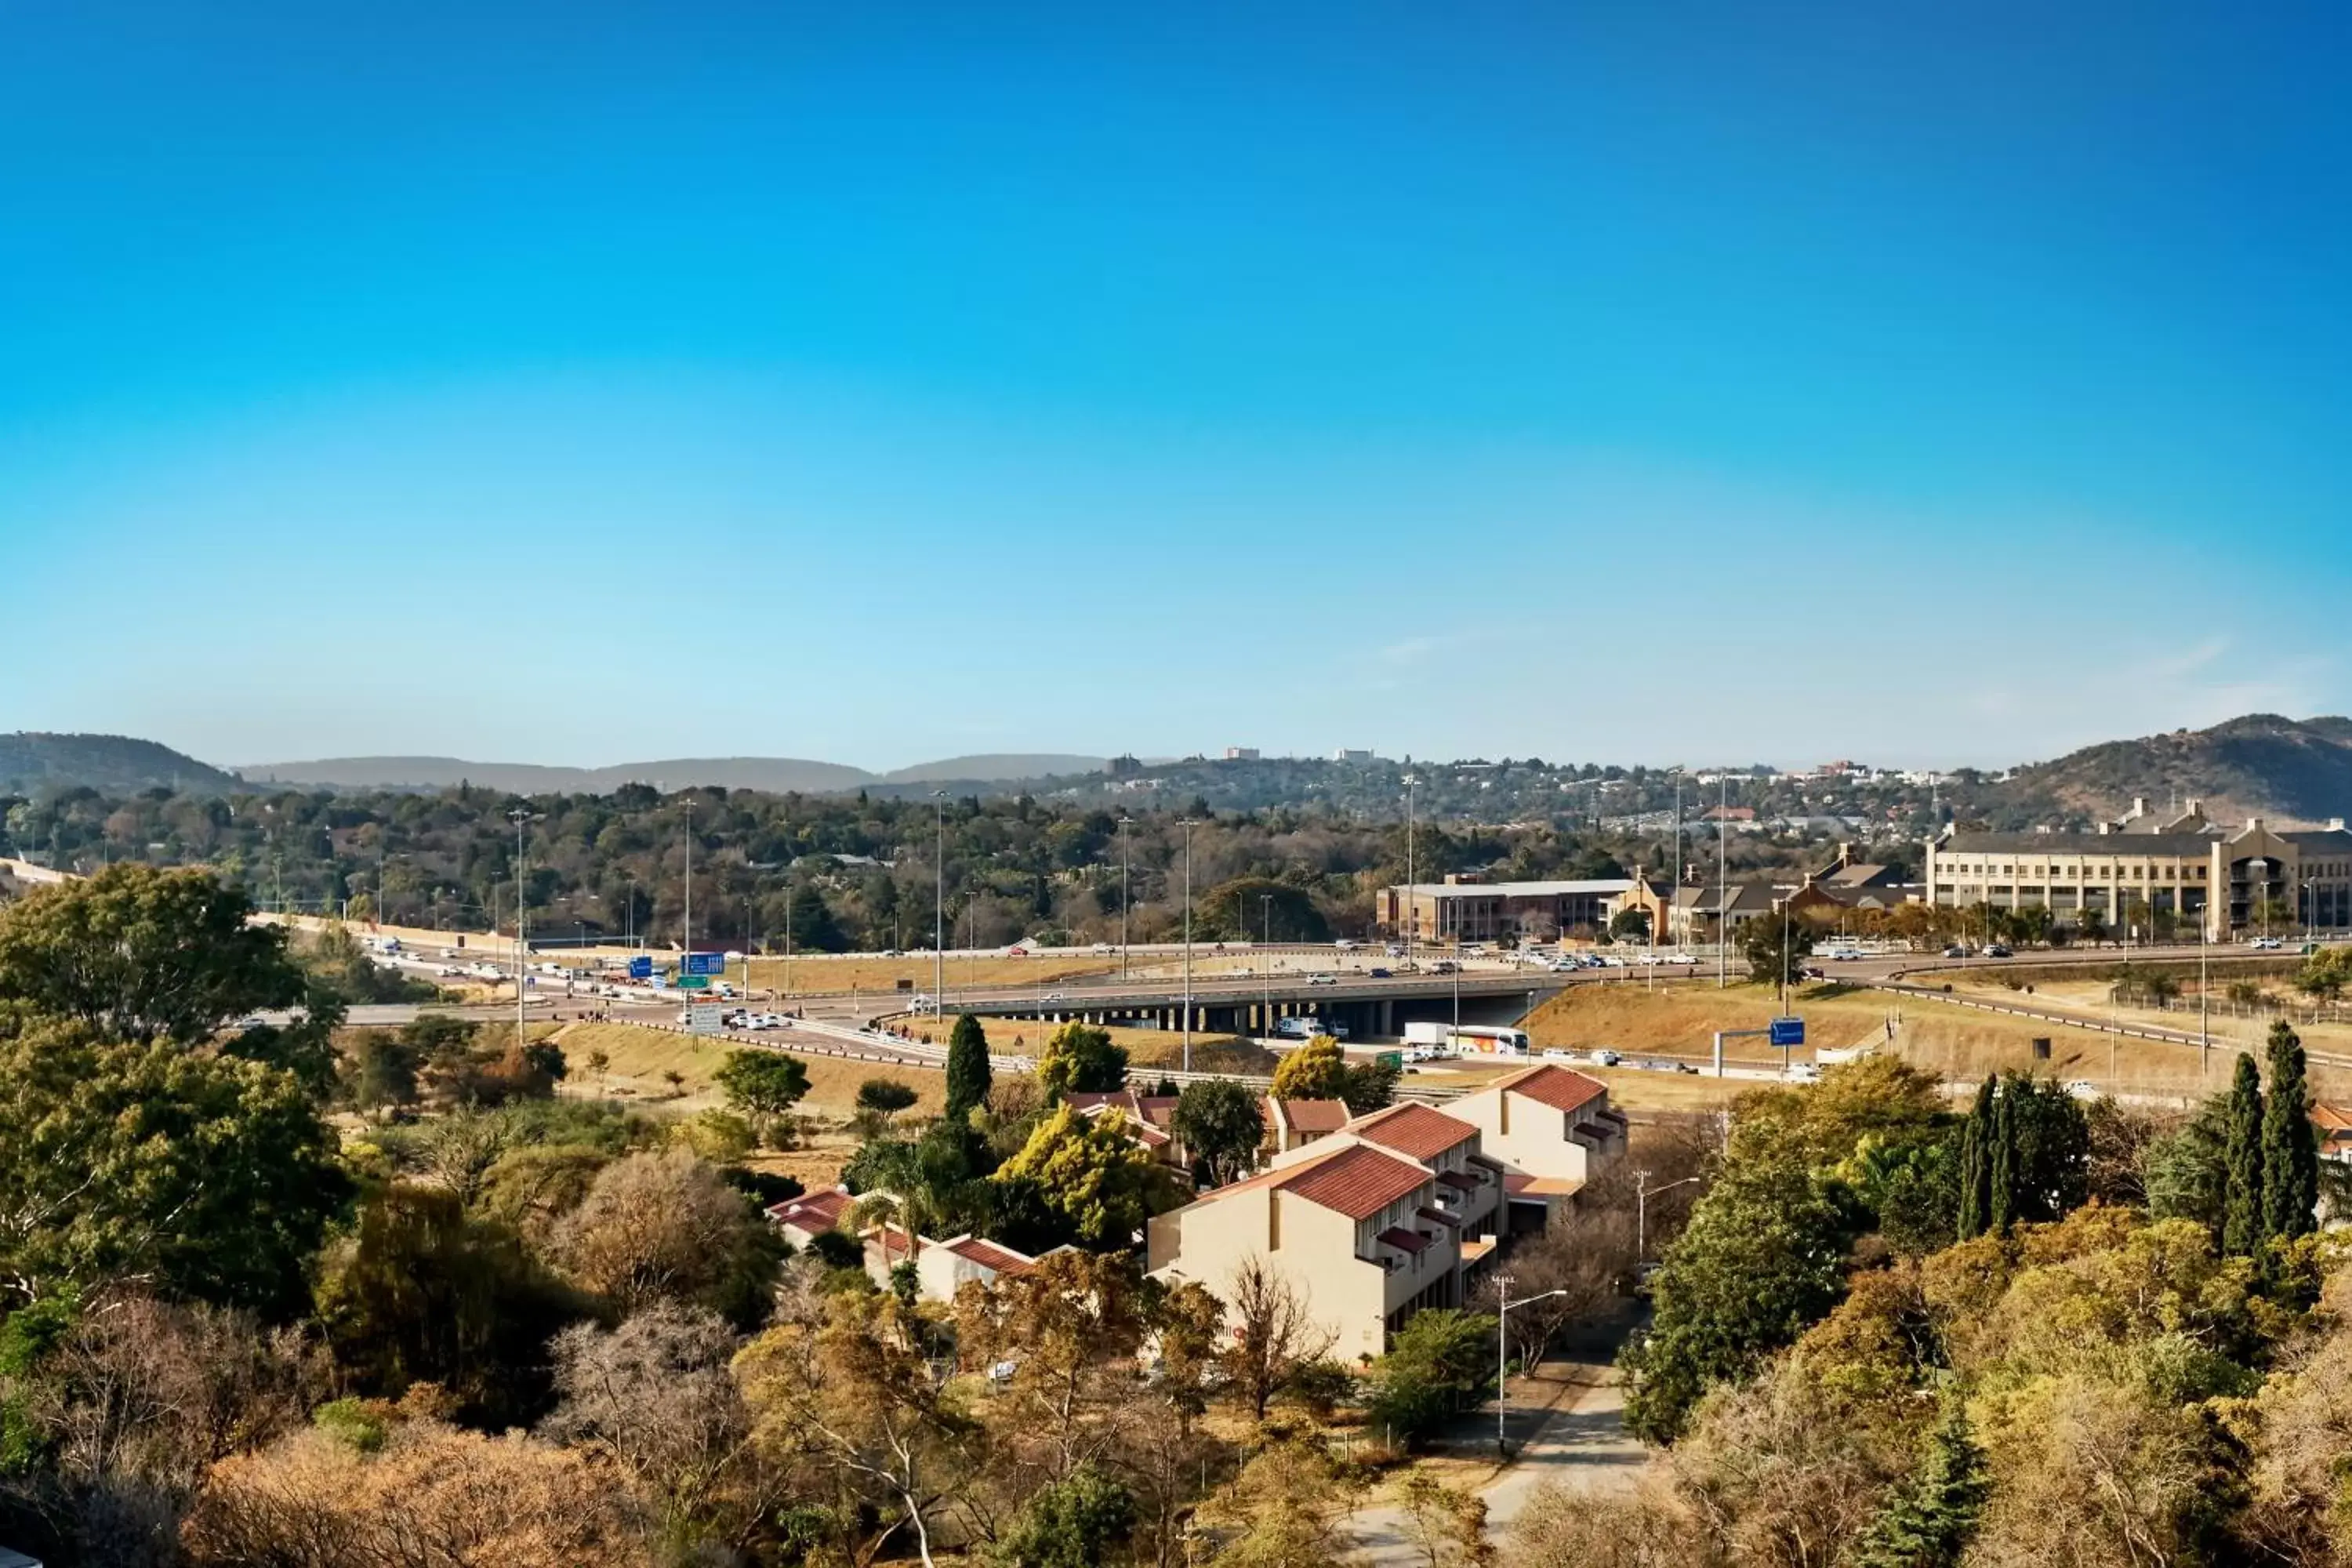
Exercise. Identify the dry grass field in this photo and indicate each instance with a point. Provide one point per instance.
(641, 1057)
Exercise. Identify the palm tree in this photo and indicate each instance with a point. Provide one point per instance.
(910, 1211)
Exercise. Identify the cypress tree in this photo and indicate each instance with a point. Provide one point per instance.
(2242, 1203)
(2000, 1205)
(1930, 1518)
(2290, 1148)
(1976, 1164)
(968, 1074)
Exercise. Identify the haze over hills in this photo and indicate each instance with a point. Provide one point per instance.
(111, 764)
(2263, 765)
(776, 775)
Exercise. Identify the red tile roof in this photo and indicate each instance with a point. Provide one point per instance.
(1312, 1115)
(1354, 1180)
(812, 1212)
(988, 1255)
(2333, 1121)
(1412, 1129)
(1554, 1086)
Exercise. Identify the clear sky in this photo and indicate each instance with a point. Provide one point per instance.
(1624, 381)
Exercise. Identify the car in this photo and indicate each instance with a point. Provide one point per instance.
(1606, 1057)
(1804, 1072)
(1554, 1054)
(1322, 980)
(1445, 966)
(1105, 947)
(1053, 997)
(1611, 960)
(1814, 972)
(1996, 951)
(1956, 950)
(2266, 943)
(1690, 958)
(1396, 949)
(1563, 965)
(2082, 1089)
(1690, 1068)
(449, 972)
(1345, 945)
(1381, 972)
(767, 1021)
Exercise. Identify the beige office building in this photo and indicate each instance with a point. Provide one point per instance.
(2182, 872)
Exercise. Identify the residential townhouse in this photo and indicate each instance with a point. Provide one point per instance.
(1469, 1183)
(1294, 1123)
(1552, 1128)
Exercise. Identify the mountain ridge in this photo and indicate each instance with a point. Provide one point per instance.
(776, 774)
(2257, 764)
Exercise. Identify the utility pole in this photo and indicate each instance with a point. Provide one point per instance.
(939, 900)
(1188, 944)
(519, 817)
(1412, 902)
(1503, 1305)
(1124, 820)
(1265, 968)
(1722, 873)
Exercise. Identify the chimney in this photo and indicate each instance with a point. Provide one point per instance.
(2335, 825)
(2139, 808)
(2196, 807)
(2104, 828)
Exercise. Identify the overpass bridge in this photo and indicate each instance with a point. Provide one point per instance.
(1238, 1005)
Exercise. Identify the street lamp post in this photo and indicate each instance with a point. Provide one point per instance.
(1188, 944)
(939, 902)
(1266, 965)
(1123, 901)
(1412, 904)
(1642, 1192)
(1503, 1305)
(519, 817)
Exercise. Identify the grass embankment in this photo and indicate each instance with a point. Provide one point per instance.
(641, 1057)
(2241, 1025)
(1952, 1042)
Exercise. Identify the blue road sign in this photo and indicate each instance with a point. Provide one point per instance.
(1788, 1031)
(705, 963)
(641, 969)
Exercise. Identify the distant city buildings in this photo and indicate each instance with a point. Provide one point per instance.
(1349, 754)
(1241, 753)
(1461, 909)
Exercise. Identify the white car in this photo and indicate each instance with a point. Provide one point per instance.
(1606, 1057)
(1053, 997)
(1611, 960)
(2082, 1089)
(1804, 1072)
(1554, 1054)
(1322, 980)
(1345, 945)
(1691, 958)
(2266, 943)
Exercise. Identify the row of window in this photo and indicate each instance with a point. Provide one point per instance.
(2070, 873)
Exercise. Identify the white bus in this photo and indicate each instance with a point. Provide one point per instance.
(1467, 1040)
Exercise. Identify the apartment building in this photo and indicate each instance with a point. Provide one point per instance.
(2181, 871)
(1294, 1123)
(1460, 909)
(1551, 1129)
(1355, 1232)
(1469, 1183)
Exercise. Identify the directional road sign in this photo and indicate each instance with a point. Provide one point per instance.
(641, 969)
(694, 982)
(1788, 1031)
(705, 963)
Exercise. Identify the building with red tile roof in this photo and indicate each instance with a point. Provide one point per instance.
(1294, 1123)
(804, 1218)
(1547, 1123)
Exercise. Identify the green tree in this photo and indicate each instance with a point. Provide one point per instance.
(1317, 1069)
(1930, 1519)
(2001, 1206)
(421, 1293)
(2242, 1212)
(884, 1098)
(762, 1085)
(1775, 949)
(1366, 1087)
(1093, 1173)
(2290, 1147)
(1763, 1256)
(1232, 911)
(202, 1175)
(1079, 1060)
(1630, 925)
(1221, 1127)
(381, 1072)
(1976, 1163)
(1070, 1523)
(968, 1071)
(1441, 1361)
(139, 954)
(809, 920)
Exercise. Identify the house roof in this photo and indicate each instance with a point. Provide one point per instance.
(989, 1256)
(1557, 1086)
(2333, 1121)
(812, 1212)
(1709, 900)
(1440, 1216)
(1459, 1181)
(1404, 1240)
(1355, 1180)
(2192, 844)
(1310, 1115)
(1412, 1129)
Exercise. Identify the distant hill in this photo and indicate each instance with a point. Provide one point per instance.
(2261, 765)
(774, 775)
(111, 764)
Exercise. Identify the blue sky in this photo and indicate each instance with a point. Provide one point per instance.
(1617, 382)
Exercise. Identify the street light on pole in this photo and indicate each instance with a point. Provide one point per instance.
(1188, 944)
(1412, 902)
(519, 817)
(1642, 1192)
(1123, 823)
(939, 902)
(1266, 966)
(1503, 1305)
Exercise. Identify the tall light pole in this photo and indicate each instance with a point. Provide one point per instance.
(939, 902)
(686, 948)
(1412, 903)
(1188, 944)
(1722, 872)
(1503, 1305)
(1266, 967)
(1124, 821)
(519, 817)
(1642, 1193)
